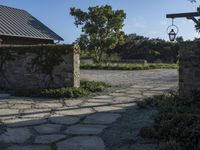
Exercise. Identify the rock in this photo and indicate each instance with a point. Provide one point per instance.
(102, 118)
(82, 143)
(85, 129)
(15, 135)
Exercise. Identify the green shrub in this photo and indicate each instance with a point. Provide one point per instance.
(171, 145)
(148, 132)
(64, 92)
(87, 87)
(151, 101)
(179, 120)
(94, 86)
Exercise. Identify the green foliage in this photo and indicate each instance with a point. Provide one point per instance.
(139, 47)
(178, 122)
(171, 145)
(94, 86)
(87, 87)
(147, 102)
(64, 92)
(148, 132)
(102, 28)
(121, 66)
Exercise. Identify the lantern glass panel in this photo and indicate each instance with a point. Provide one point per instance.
(172, 35)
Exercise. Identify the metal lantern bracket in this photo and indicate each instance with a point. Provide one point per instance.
(190, 15)
(173, 25)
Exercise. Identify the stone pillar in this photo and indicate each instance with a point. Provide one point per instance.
(76, 66)
(189, 68)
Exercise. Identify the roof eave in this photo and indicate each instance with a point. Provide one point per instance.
(21, 36)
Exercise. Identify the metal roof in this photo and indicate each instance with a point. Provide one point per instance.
(19, 23)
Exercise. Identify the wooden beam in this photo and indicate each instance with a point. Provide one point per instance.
(194, 19)
(183, 15)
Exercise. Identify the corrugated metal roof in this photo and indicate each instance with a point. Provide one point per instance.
(19, 23)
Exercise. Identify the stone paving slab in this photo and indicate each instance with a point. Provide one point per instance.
(29, 147)
(81, 129)
(48, 128)
(21, 122)
(75, 112)
(103, 97)
(6, 113)
(92, 104)
(82, 143)
(19, 135)
(101, 118)
(73, 102)
(46, 139)
(100, 101)
(48, 105)
(109, 109)
(65, 120)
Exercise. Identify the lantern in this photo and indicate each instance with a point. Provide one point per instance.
(172, 31)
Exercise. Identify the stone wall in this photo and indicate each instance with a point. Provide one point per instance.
(189, 70)
(39, 66)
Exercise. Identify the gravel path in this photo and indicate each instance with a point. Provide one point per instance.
(127, 78)
(109, 121)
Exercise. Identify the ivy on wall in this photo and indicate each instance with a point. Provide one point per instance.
(46, 57)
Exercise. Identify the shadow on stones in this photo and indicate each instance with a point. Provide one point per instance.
(62, 128)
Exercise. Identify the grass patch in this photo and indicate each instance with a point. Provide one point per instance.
(87, 88)
(121, 66)
(178, 122)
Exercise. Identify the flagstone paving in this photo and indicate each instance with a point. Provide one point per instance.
(78, 124)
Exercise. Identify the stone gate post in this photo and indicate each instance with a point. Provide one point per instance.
(189, 68)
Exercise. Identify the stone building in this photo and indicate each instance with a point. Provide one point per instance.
(18, 27)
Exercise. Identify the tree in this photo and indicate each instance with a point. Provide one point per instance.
(140, 47)
(179, 39)
(101, 26)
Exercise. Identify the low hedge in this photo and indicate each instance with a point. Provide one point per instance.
(124, 66)
(87, 88)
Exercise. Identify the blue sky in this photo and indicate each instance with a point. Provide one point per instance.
(144, 17)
